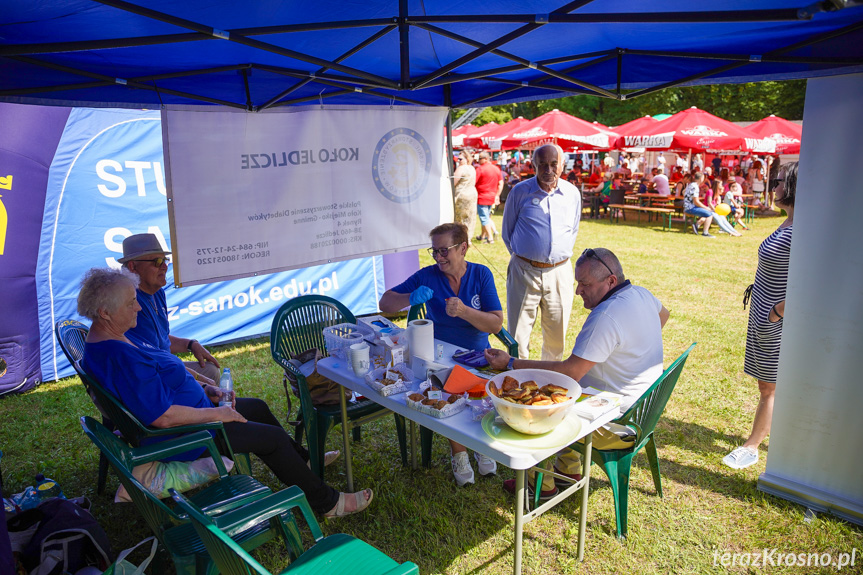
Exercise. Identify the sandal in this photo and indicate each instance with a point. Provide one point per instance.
(329, 457)
(361, 503)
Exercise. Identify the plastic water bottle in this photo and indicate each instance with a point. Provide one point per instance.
(27, 499)
(226, 384)
(48, 488)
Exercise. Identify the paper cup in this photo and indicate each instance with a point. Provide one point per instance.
(359, 358)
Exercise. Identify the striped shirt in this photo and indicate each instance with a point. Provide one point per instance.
(763, 338)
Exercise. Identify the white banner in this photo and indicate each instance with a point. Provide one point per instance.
(276, 190)
(815, 438)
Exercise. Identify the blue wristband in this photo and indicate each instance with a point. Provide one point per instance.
(511, 361)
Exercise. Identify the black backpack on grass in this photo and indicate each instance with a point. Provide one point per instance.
(66, 538)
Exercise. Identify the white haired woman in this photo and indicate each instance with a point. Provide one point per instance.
(155, 386)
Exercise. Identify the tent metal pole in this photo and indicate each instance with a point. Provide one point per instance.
(314, 76)
(539, 20)
(239, 39)
(619, 70)
(185, 73)
(246, 72)
(561, 17)
(447, 95)
(370, 40)
(525, 63)
(57, 88)
(388, 97)
(110, 43)
(109, 80)
(743, 57)
(404, 46)
(470, 103)
(796, 46)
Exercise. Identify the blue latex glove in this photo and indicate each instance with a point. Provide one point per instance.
(421, 295)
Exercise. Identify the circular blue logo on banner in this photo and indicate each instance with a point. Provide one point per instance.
(401, 165)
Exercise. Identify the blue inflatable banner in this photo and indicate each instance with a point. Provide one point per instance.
(107, 182)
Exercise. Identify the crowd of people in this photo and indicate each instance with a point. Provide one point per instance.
(130, 349)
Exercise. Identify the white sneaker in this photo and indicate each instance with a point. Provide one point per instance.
(741, 457)
(461, 469)
(485, 465)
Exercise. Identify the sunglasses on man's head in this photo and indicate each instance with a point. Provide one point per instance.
(592, 254)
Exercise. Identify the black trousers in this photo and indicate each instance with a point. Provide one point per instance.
(264, 436)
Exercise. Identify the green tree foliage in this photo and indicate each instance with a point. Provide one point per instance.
(733, 102)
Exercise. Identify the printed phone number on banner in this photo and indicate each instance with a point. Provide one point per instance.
(231, 249)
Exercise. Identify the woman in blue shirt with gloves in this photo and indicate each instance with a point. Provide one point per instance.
(461, 300)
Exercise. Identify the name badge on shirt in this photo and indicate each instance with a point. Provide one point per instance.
(535, 201)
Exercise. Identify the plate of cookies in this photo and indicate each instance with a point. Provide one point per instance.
(436, 402)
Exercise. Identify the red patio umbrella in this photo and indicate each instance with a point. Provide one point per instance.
(490, 139)
(560, 128)
(787, 135)
(697, 131)
(459, 134)
(636, 126)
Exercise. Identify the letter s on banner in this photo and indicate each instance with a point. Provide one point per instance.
(115, 246)
(121, 183)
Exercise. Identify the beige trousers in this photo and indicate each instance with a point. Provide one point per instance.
(548, 291)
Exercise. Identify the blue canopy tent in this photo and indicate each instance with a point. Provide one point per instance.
(256, 55)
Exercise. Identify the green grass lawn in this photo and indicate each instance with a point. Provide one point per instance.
(422, 516)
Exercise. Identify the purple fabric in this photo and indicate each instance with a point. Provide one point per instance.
(399, 267)
(30, 137)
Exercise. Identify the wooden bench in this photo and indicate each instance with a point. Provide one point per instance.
(666, 213)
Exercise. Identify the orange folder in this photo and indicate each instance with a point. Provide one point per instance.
(461, 380)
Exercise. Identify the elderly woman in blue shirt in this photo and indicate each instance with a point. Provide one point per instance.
(461, 300)
(156, 387)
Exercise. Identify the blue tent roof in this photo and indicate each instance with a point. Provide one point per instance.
(267, 53)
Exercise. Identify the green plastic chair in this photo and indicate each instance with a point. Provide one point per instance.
(642, 417)
(173, 530)
(134, 431)
(335, 554)
(419, 312)
(297, 327)
(71, 335)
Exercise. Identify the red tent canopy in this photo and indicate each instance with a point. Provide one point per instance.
(481, 140)
(560, 128)
(787, 135)
(699, 131)
(636, 126)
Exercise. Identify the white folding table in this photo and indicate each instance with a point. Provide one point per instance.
(463, 429)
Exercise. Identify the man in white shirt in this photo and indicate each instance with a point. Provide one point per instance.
(660, 182)
(619, 349)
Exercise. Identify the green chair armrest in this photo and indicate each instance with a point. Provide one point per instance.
(266, 508)
(224, 505)
(178, 445)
